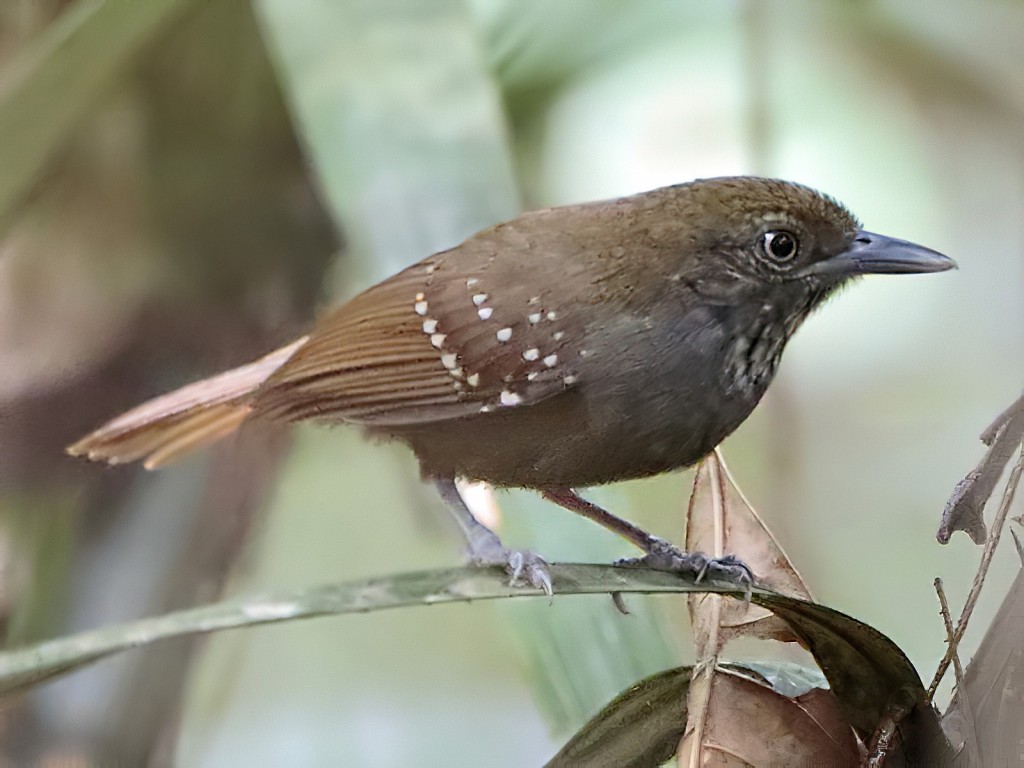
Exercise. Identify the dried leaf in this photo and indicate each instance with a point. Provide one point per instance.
(721, 521)
(965, 509)
(994, 687)
(750, 724)
(643, 726)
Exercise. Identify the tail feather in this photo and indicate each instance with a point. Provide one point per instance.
(174, 425)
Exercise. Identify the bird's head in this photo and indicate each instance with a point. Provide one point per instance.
(765, 232)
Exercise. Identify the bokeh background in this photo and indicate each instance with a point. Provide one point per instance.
(185, 184)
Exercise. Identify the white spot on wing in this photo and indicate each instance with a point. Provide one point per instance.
(437, 339)
(534, 318)
(551, 360)
(510, 398)
(479, 298)
(450, 360)
(570, 379)
(558, 335)
(552, 315)
(503, 335)
(473, 379)
(485, 312)
(471, 281)
(420, 307)
(429, 326)
(531, 354)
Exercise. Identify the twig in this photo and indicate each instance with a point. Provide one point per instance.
(958, 671)
(883, 740)
(979, 577)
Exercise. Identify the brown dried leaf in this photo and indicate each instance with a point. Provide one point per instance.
(749, 724)
(721, 521)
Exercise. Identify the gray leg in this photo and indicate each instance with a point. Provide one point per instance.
(661, 554)
(485, 548)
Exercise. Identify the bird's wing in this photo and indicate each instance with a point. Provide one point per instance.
(437, 341)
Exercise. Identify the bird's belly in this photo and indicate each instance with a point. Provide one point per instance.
(574, 440)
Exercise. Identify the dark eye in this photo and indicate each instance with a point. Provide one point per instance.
(780, 245)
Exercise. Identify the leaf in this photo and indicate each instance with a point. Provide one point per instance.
(994, 686)
(639, 728)
(27, 666)
(642, 727)
(865, 670)
(965, 509)
(750, 724)
(869, 675)
(54, 81)
(787, 677)
(721, 521)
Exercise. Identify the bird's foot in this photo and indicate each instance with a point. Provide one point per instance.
(664, 556)
(525, 568)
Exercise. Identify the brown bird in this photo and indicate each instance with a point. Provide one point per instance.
(568, 347)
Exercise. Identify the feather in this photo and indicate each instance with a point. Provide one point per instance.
(169, 427)
(432, 343)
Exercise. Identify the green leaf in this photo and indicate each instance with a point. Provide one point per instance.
(640, 728)
(868, 673)
(24, 667)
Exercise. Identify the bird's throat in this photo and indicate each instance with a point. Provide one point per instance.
(758, 342)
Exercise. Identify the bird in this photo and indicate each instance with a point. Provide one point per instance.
(569, 347)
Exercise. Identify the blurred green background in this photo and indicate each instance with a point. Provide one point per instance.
(184, 185)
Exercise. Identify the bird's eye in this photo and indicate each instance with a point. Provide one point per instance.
(780, 245)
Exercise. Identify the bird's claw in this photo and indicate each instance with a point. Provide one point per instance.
(664, 556)
(525, 568)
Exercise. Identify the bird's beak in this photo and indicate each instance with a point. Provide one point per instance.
(877, 254)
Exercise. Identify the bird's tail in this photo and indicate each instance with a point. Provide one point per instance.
(174, 425)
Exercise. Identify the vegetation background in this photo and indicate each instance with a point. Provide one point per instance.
(184, 184)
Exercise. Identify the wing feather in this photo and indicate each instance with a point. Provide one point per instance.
(437, 341)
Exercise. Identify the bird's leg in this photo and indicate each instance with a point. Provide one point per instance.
(485, 548)
(661, 554)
